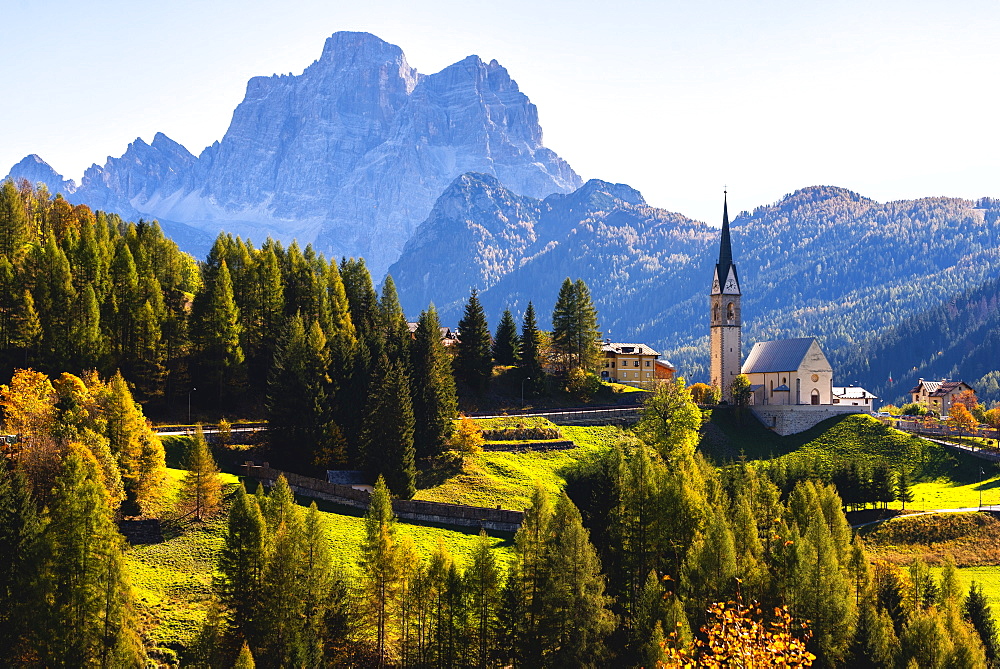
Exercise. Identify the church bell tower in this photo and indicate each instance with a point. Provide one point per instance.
(726, 330)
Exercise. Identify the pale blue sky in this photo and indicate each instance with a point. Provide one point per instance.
(891, 99)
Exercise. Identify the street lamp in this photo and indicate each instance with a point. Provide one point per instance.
(980, 488)
(189, 404)
(527, 378)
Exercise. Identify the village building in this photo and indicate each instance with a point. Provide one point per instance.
(628, 363)
(791, 380)
(938, 396)
(853, 396)
(663, 370)
(789, 371)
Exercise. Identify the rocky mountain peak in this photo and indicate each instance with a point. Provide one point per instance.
(36, 170)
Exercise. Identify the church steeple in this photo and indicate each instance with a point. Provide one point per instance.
(726, 278)
(725, 326)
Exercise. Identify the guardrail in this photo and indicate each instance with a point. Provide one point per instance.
(602, 415)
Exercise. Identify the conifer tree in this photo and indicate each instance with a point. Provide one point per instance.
(392, 323)
(977, 611)
(530, 363)
(474, 360)
(283, 642)
(91, 619)
(21, 548)
(388, 430)
(379, 564)
(221, 350)
(201, 487)
(242, 562)
(526, 583)
(575, 619)
(86, 338)
(14, 223)
(482, 583)
(245, 659)
(298, 408)
(575, 335)
(435, 402)
(361, 296)
(505, 344)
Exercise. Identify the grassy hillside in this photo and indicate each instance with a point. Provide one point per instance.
(173, 579)
(856, 437)
(496, 478)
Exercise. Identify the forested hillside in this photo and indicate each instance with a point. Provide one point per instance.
(823, 261)
(959, 339)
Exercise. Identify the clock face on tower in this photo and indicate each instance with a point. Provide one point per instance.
(731, 285)
(715, 286)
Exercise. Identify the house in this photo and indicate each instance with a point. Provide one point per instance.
(853, 396)
(628, 363)
(938, 396)
(448, 336)
(663, 370)
(789, 372)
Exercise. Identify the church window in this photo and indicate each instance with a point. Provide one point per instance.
(730, 312)
(784, 379)
(715, 313)
(815, 396)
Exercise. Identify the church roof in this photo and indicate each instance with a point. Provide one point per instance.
(782, 355)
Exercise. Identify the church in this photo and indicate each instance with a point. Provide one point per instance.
(791, 380)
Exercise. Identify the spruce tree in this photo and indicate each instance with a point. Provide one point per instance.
(242, 562)
(530, 363)
(575, 335)
(505, 344)
(201, 488)
(14, 223)
(91, 619)
(977, 611)
(221, 352)
(525, 590)
(474, 360)
(21, 600)
(388, 430)
(361, 296)
(435, 401)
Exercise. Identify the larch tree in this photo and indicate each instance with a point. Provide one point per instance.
(201, 487)
(91, 619)
(379, 564)
(575, 619)
(435, 401)
(482, 587)
(242, 563)
(21, 553)
(474, 360)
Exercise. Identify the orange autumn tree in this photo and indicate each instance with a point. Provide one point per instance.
(961, 419)
(738, 636)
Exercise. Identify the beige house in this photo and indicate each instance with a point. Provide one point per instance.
(938, 396)
(789, 372)
(628, 363)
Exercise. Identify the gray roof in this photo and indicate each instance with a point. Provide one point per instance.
(782, 355)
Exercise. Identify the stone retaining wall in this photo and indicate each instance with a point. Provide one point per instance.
(501, 520)
(788, 419)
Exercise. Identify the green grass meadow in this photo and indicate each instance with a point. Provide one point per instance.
(173, 579)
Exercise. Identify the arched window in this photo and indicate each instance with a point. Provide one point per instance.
(715, 313)
(730, 312)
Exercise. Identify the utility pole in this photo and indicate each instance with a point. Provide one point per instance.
(527, 378)
(189, 404)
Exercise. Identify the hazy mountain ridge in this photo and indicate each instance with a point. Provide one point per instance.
(350, 155)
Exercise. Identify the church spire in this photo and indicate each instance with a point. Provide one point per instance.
(725, 245)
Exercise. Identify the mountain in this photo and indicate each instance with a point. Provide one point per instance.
(823, 261)
(350, 155)
(958, 339)
(35, 170)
